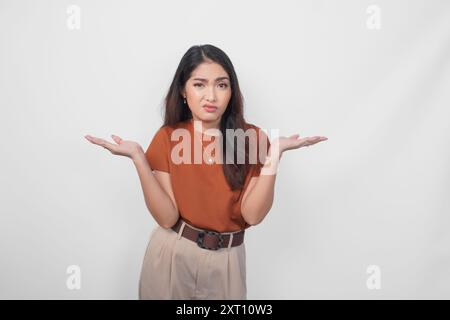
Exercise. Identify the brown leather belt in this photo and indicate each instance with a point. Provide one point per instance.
(208, 239)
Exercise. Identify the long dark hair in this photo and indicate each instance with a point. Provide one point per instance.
(232, 118)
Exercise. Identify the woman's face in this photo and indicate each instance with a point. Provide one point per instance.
(209, 84)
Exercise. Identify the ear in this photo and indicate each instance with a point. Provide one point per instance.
(183, 91)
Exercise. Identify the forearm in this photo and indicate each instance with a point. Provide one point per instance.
(157, 200)
(260, 199)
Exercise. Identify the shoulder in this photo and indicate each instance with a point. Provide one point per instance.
(251, 125)
(259, 131)
(165, 131)
(254, 126)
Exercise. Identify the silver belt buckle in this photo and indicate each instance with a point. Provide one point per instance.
(201, 237)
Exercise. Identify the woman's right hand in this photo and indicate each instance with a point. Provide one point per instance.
(125, 148)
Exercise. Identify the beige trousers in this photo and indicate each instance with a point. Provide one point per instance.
(176, 268)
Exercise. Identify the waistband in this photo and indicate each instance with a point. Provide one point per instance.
(208, 239)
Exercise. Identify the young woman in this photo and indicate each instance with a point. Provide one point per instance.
(202, 210)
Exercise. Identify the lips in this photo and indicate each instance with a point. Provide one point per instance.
(209, 108)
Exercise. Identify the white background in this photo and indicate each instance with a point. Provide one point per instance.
(375, 193)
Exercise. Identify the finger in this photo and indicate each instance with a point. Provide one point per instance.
(320, 138)
(306, 142)
(317, 139)
(314, 140)
(101, 142)
(94, 140)
(117, 139)
(91, 139)
(108, 145)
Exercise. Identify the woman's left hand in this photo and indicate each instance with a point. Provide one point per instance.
(295, 142)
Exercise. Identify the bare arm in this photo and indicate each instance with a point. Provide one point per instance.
(258, 198)
(158, 201)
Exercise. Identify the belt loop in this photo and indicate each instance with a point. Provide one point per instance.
(230, 241)
(180, 232)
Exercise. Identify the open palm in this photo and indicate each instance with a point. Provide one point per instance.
(295, 142)
(122, 148)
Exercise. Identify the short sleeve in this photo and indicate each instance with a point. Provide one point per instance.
(157, 153)
(255, 171)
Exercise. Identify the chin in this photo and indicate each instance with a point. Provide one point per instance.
(210, 117)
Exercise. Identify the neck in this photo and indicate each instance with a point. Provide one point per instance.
(202, 126)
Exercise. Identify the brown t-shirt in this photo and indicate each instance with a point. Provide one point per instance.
(202, 193)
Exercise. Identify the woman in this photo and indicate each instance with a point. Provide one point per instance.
(202, 209)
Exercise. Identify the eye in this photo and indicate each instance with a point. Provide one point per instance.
(197, 84)
(224, 85)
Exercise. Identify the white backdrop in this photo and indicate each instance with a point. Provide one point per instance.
(363, 215)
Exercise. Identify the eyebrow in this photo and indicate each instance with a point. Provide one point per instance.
(217, 79)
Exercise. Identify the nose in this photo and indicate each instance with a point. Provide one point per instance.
(211, 96)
